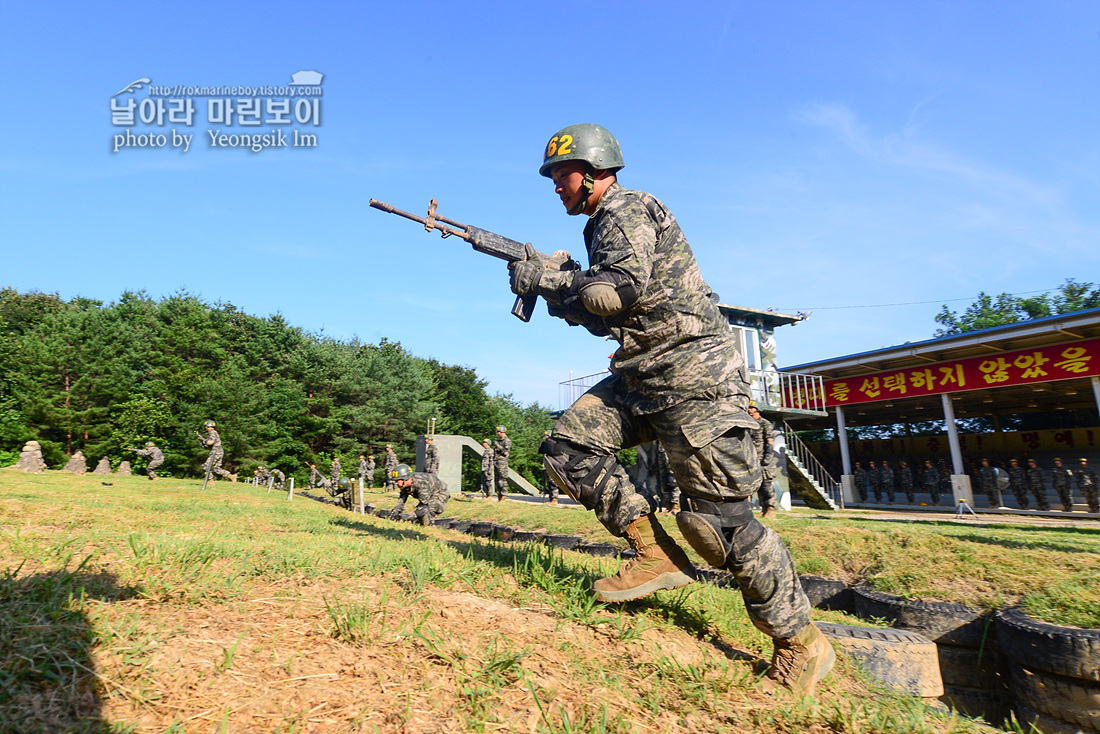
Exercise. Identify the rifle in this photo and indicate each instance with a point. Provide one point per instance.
(490, 244)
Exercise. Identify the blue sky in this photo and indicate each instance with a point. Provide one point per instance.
(818, 155)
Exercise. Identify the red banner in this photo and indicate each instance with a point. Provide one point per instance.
(1023, 367)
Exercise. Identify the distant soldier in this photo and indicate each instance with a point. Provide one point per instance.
(931, 481)
(1061, 478)
(263, 477)
(860, 477)
(1086, 483)
(431, 456)
(337, 470)
(486, 468)
(945, 478)
(213, 463)
(370, 472)
(874, 480)
(1017, 481)
(428, 489)
(886, 479)
(314, 476)
(1037, 486)
(362, 471)
(987, 482)
(155, 456)
(389, 465)
(763, 439)
(905, 479)
(502, 448)
(549, 487)
(280, 480)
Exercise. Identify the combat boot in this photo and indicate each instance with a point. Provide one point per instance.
(553, 501)
(233, 478)
(659, 564)
(799, 662)
(769, 511)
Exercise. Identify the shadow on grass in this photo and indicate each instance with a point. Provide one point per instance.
(47, 678)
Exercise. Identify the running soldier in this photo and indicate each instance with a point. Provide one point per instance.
(155, 456)
(429, 490)
(388, 466)
(213, 463)
(763, 439)
(502, 448)
(905, 479)
(486, 468)
(1017, 481)
(676, 377)
(1086, 483)
(1061, 477)
(431, 456)
(1036, 485)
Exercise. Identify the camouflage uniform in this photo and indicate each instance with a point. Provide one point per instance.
(1061, 478)
(213, 463)
(314, 475)
(987, 482)
(676, 377)
(431, 459)
(362, 472)
(931, 482)
(155, 456)
(280, 480)
(763, 439)
(1017, 481)
(486, 469)
(666, 481)
(860, 478)
(389, 465)
(886, 479)
(874, 480)
(502, 447)
(430, 491)
(1037, 486)
(1086, 483)
(905, 479)
(334, 474)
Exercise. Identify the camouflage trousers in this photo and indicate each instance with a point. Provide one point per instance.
(153, 465)
(500, 475)
(487, 482)
(767, 490)
(213, 463)
(710, 449)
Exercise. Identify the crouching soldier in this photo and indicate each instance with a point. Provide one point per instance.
(155, 456)
(428, 489)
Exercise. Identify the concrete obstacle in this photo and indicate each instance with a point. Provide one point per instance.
(77, 464)
(30, 459)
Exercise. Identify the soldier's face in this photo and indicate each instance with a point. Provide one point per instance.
(568, 181)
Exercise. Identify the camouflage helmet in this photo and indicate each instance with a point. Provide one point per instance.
(343, 484)
(209, 424)
(501, 429)
(149, 444)
(401, 471)
(586, 142)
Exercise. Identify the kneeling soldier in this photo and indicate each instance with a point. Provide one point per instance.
(429, 490)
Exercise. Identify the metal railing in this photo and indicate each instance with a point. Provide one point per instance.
(574, 387)
(812, 466)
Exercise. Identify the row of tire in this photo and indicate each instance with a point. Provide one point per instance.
(977, 662)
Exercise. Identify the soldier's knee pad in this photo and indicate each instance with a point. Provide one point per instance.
(718, 531)
(570, 468)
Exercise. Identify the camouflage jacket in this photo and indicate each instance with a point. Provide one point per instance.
(502, 448)
(486, 460)
(431, 459)
(764, 439)
(1085, 477)
(211, 441)
(673, 342)
(391, 462)
(153, 453)
(426, 487)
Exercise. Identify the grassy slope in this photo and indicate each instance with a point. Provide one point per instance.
(154, 607)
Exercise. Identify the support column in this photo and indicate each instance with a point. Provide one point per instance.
(1096, 392)
(960, 482)
(847, 482)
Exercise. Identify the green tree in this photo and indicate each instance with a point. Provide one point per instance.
(987, 311)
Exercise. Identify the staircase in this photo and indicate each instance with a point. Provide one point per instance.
(808, 478)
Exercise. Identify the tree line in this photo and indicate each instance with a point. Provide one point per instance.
(84, 375)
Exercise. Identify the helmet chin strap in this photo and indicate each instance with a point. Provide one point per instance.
(587, 187)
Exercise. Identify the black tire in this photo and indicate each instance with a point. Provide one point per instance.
(481, 529)
(1029, 717)
(443, 522)
(1071, 700)
(903, 660)
(562, 542)
(992, 705)
(1067, 651)
(461, 526)
(973, 667)
(828, 593)
(605, 550)
(527, 536)
(942, 622)
(502, 533)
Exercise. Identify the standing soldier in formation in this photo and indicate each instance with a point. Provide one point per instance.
(945, 479)
(362, 471)
(860, 475)
(1086, 483)
(370, 471)
(1037, 486)
(905, 479)
(875, 480)
(763, 439)
(334, 475)
(1017, 481)
(502, 448)
(155, 456)
(213, 463)
(676, 377)
(1061, 478)
(431, 456)
(486, 468)
(987, 482)
(931, 481)
(886, 479)
(428, 489)
(389, 465)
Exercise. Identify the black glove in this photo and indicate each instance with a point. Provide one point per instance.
(395, 513)
(525, 276)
